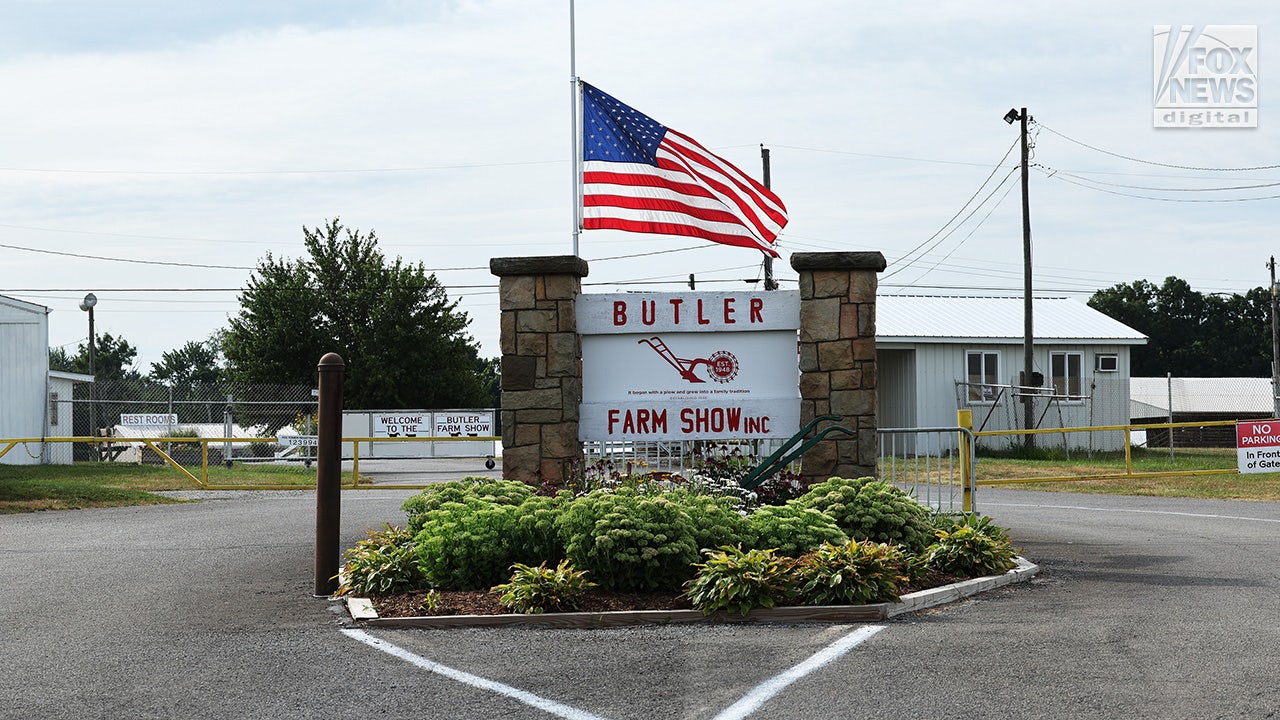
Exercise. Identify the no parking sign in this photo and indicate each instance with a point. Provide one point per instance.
(1258, 446)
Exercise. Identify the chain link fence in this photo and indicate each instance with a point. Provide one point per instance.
(123, 409)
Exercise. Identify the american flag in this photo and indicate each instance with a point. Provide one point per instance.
(640, 176)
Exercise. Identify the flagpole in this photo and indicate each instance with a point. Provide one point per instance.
(574, 167)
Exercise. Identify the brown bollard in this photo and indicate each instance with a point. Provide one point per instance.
(329, 474)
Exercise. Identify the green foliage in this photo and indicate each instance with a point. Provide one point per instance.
(851, 573)
(534, 536)
(192, 365)
(113, 359)
(629, 541)
(430, 602)
(715, 520)
(535, 590)
(980, 523)
(867, 509)
(1191, 334)
(472, 487)
(466, 545)
(404, 342)
(792, 529)
(738, 580)
(383, 563)
(974, 548)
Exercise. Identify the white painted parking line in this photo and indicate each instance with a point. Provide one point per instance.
(1208, 516)
(763, 692)
(528, 698)
(751, 702)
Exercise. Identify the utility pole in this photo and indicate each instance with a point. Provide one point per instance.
(769, 282)
(1275, 345)
(1028, 399)
(1029, 410)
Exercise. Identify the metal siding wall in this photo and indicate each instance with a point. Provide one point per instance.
(895, 382)
(24, 369)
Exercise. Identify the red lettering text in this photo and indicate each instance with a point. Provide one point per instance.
(619, 313)
(756, 306)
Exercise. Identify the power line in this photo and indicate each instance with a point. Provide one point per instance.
(127, 260)
(349, 171)
(1155, 162)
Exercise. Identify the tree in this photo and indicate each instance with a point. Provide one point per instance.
(1191, 334)
(193, 364)
(404, 342)
(113, 359)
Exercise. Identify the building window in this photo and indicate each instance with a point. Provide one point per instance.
(984, 374)
(1106, 362)
(53, 409)
(1064, 370)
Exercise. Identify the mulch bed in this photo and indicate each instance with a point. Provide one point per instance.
(483, 602)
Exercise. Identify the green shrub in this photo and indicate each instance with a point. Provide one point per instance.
(534, 536)
(629, 541)
(535, 590)
(466, 545)
(970, 550)
(716, 522)
(981, 523)
(792, 529)
(867, 509)
(738, 580)
(851, 573)
(383, 563)
(501, 492)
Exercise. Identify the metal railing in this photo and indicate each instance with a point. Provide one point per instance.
(162, 446)
(933, 464)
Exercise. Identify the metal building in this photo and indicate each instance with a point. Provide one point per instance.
(34, 402)
(937, 354)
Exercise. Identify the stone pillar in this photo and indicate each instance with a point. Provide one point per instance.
(838, 358)
(541, 366)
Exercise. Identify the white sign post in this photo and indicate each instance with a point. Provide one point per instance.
(689, 366)
(1258, 446)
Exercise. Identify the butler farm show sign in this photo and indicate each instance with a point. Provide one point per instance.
(689, 366)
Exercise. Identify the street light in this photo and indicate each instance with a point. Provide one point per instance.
(87, 305)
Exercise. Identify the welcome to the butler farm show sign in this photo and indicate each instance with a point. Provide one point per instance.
(689, 366)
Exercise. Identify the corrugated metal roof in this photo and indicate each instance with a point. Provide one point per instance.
(1200, 395)
(943, 318)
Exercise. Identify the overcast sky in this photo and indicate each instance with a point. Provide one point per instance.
(208, 134)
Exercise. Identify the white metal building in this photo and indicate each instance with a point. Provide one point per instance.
(24, 375)
(938, 354)
(34, 402)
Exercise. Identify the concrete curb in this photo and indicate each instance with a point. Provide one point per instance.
(912, 602)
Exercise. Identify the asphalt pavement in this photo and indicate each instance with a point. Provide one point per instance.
(1144, 608)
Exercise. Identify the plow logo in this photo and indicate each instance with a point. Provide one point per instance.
(722, 365)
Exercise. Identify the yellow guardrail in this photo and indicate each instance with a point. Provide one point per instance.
(1128, 430)
(202, 482)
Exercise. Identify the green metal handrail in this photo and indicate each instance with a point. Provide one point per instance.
(776, 461)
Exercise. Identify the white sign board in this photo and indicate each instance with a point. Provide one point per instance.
(465, 423)
(689, 366)
(401, 424)
(149, 420)
(648, 313)
(1258, 447)
(299, 440)
(690, 419)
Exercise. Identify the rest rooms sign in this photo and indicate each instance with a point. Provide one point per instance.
(1258, 447)
(689, 366)
(145, 420)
